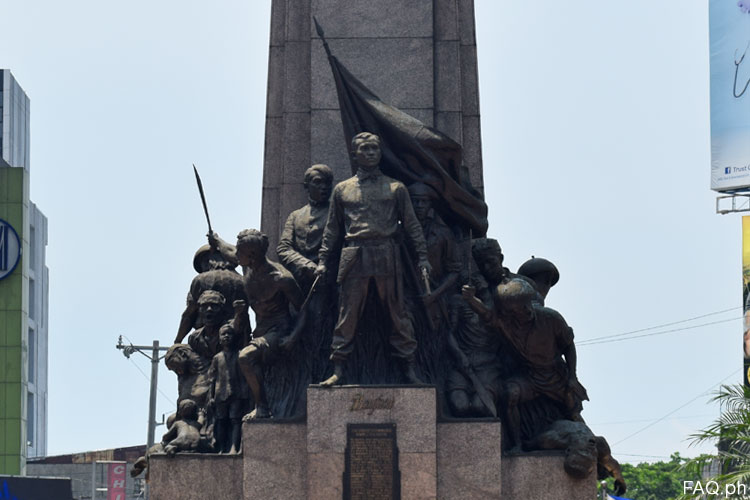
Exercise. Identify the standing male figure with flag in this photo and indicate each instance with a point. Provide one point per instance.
(366, 214)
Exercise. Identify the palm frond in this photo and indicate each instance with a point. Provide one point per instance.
(731, 431)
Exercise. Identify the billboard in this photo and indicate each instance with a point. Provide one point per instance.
(729, 22)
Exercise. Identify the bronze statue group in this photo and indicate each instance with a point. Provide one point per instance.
(373, 286)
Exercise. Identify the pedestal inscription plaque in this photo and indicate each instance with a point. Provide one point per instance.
(371, 470)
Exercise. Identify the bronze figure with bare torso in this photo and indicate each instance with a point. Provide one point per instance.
(270, 290)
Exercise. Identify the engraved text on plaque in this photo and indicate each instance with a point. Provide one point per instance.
(371, 471)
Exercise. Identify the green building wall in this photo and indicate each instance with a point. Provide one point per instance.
(14, 209)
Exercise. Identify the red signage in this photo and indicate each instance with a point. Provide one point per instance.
(116, 482)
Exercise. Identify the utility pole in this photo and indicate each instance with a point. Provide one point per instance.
(154, 357)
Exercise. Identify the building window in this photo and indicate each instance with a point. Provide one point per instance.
(30, 419)
(32, 298)
(32, 248)
(32, 356)
(43, 305)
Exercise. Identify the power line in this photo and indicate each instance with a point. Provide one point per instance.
(585, 342)
(650, 419)
(155, 349)
(662, 325)
(139, 369)
(147, 378)
(676, 409)
(644, 456)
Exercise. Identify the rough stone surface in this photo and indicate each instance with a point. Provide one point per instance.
(447, 76)
(321, 467)
(185, 477)
(542, 477)
(413, 412)
(275, 462)
(271, 200)
(275, 95)
(274, 150)
(374, 19)
(298, 20)
(466, 22)
(295, 153)
(450, 124)
(425, 115)
(418, 475)
(469, 460)
(469, 80)
(446, 20)
(278, 23)
(328, 144)
(297, 88)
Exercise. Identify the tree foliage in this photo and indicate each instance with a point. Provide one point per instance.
(654, 481)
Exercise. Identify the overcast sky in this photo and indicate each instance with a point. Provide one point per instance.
(595, 125)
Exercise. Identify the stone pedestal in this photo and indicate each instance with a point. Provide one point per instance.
(542, 476)
(194, 476)
(296, 460)
(275, 465)
(452, 460)
(411, 409)
(469, 456)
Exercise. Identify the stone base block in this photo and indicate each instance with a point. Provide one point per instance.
(321, 467)
(418, 476)
(542, 477)
(411, 408)
(275, 460)
(469, 456)
(195, 477)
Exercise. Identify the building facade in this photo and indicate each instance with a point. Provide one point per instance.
(36, 367)
(24, 290)
(14, 122)
(88, 472)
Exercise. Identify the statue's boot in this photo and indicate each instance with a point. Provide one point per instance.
(337, 378)
(410, 372)
(260, 411)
